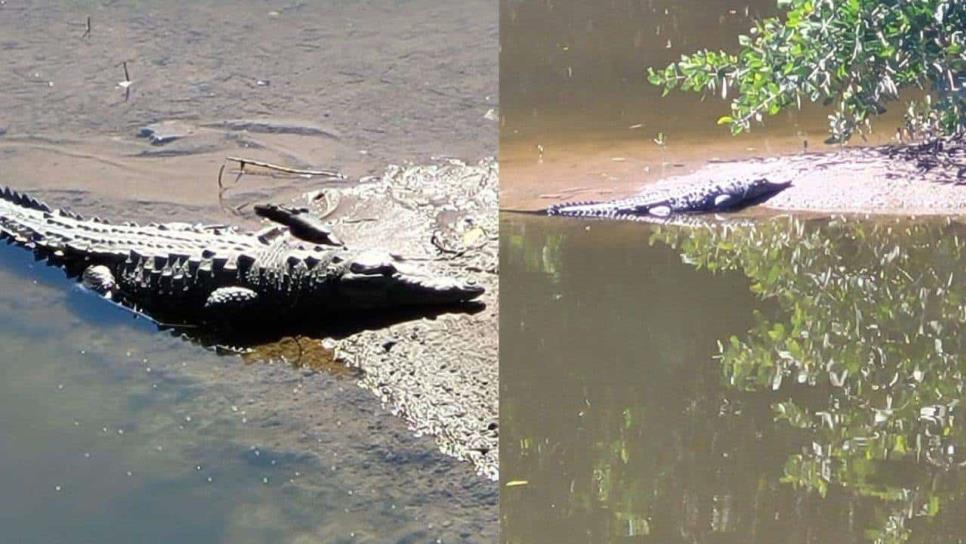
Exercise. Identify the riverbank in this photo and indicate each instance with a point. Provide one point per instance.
(890, 180)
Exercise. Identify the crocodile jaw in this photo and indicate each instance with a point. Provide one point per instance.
(418, 289)
(377, 279)
(763, 188)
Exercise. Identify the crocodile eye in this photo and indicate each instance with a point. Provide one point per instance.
(373, 264)
(384, 269)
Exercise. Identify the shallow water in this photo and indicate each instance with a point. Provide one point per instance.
(111, 431)
(350, 91)
(794, 381)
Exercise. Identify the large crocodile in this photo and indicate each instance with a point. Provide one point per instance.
(669, 201)
(221, 276)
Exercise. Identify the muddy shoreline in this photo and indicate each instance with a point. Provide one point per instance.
(440, 374)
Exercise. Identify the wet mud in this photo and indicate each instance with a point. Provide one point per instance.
(441, 374)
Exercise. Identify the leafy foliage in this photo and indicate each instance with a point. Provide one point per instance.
(854, 55)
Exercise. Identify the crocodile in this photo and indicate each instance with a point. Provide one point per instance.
(670, 201)
(293, 272)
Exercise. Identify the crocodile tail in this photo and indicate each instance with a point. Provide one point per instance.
(571, 208)
(596, 209)
(23, 200)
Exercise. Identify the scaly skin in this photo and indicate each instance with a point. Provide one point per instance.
(668, 202)
(219, 275)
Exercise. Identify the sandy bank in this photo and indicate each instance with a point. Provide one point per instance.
(891, 180)
(861, 180)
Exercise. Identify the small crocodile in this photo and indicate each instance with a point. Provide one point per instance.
(218, 275)
(694, 198)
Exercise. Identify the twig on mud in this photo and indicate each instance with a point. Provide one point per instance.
(126, 84)
(434, 239)
(237, 210)
(298, 342)
(222, 189)
(87, 32)
(287, 170)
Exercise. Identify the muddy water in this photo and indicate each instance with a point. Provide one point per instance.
(295, 454)
(795, 381)
(580, 119)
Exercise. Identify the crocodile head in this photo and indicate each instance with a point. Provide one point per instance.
(379, 279)
(762, 188)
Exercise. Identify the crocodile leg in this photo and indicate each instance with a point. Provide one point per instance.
(723, 202)
(100, 279)
(228, 300)
(301, 223)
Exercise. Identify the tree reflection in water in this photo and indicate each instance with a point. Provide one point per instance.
(866, 360)
(832, 414)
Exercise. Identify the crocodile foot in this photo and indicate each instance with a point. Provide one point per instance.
(99, 279)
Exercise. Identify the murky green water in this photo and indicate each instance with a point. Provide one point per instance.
(111, 431)
(792, 382)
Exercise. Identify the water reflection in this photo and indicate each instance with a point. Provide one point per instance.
(788, 382)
